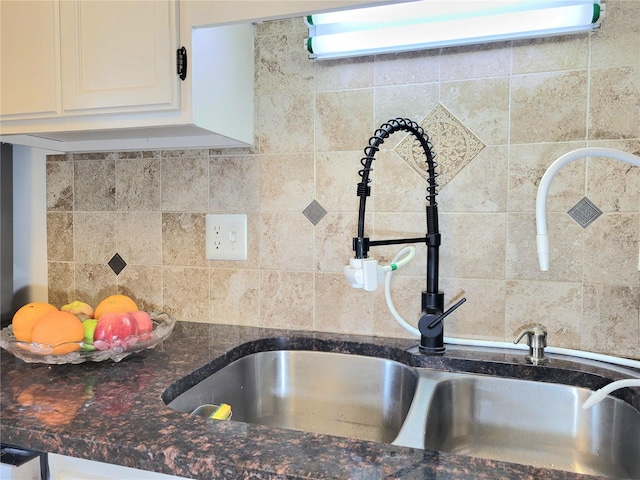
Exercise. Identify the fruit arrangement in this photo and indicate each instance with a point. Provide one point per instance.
(115, 327)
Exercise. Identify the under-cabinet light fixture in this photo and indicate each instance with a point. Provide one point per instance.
(424, 24)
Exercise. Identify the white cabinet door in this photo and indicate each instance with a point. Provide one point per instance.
(30, 52)
(119, 56)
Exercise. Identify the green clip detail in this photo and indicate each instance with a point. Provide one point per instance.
(310, 19)
(596, 13)
(309, 45)
(394, 267)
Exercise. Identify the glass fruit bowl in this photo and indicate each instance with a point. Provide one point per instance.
(41, 353)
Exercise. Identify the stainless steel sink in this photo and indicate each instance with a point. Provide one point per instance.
(534, 423)
(346, 395)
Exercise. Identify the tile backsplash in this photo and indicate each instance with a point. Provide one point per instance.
(523, 103)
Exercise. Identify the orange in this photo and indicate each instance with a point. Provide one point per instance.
(58, 328)
(115, 304)
(26, 317)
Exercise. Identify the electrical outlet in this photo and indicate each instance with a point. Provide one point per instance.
(226, 237)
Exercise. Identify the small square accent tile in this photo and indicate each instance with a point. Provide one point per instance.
(453, 143)
(117, 264)
(584, 212)
(314, 212)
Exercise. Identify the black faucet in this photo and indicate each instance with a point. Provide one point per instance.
(433, 313)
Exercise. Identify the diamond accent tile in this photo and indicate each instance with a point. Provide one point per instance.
(453, 143)
(585, 212)
(314, 212)
(117, 264)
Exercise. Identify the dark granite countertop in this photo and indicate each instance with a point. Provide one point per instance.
(115, 413)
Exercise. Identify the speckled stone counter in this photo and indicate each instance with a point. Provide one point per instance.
(115, 412)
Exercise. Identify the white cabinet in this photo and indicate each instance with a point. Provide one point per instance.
(62, 467)
(118, 56)
(30, 54)
(112, 81)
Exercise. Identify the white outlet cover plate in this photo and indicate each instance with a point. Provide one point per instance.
(226, 237)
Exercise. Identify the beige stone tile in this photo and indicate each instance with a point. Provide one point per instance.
(144, 284)
(235, 296)
(185, 293)
(234, 184)
(396, 186)
(614, 103)
(535, 115)
(473, 245)
(285, 123)
(344, 73)
(282, 64)
(185, 184)
(60, 236)
(337, 179)
(139, 239)
(183, 239)
(476, 61)
(482, 105)
(93, 283)
(286, 299)
(617, 42)
(453, 146)
(94, 239)
(481, 186)
(286, 241)
(550, 54)
(421, 66)
(280, 26)
(287, 182)
(527, 165)
(63, 157)
(138, 184)
(554, 305)
(341, 308)
(407, 101)
(611, 250)
(406, 295)
(343, 120)
(611, 322)
(482, 316)
(614, 185)
(61, 283)
(59, 186)
(333, 241)
(184, 153)
(566, 244)
(94, 185)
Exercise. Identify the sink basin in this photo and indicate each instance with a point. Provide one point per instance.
(534, 423)
(520, 421)
(338, 394)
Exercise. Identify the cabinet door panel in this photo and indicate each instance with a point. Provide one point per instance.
(30, 52)
(118, 56)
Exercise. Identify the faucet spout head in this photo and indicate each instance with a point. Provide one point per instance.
(542, 243)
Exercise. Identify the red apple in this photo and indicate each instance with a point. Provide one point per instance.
(145, 325)
(115, 331)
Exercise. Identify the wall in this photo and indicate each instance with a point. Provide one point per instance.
(499, 115)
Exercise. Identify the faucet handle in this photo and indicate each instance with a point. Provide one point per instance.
(536, 340)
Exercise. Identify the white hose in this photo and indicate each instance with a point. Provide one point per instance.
(410, 253)
(600, 395)
(488, 343)
(542, 236)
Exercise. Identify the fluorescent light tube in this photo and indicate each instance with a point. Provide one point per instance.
(428, 24)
